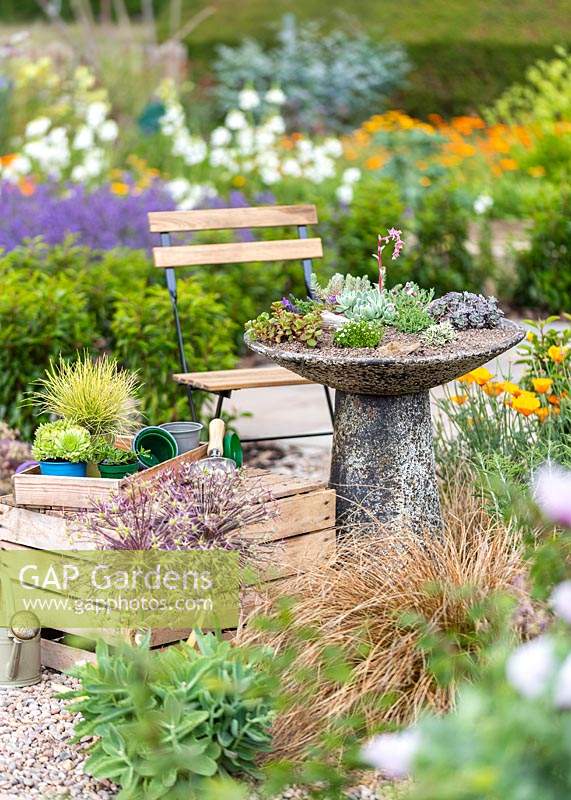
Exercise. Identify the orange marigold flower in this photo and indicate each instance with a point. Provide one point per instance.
(374, 162)
(527, 403)
(7, 159)
(459, 399)
(542, 413)
(557, 354)
(27, 187)
(537, 172)
(554, 399)
(508, 164)
(542, 385)
(120, 188)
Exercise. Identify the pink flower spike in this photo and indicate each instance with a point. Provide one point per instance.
(552, 491)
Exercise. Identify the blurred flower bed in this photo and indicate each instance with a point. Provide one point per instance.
(71, 163)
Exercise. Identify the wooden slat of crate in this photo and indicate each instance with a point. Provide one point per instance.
(31, 489)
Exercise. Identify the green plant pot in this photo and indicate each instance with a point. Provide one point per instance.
(160, 444)
(118, 471)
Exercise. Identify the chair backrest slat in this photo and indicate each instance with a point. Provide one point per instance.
(237, 252)
(215, 219)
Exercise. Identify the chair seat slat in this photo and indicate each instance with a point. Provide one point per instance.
(237, 252)
(213, 219)
(230, 379)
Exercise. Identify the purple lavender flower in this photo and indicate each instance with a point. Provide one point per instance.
(99, 219)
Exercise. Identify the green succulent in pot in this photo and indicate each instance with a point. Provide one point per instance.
(62, 448)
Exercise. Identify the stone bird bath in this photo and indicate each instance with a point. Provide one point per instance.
(383, 458)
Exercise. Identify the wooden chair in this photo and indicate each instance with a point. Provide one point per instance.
(169, 257)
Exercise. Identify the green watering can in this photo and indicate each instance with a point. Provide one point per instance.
(20, 656)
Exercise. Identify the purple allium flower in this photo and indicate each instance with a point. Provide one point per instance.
(187, 510)
(552, 491)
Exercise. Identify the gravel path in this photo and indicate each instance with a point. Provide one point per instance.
(36, 756)
(37, 759)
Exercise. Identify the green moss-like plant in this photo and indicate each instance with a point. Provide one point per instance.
(411, 303)
(359, 333)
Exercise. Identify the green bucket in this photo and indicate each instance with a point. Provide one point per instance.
(160, 444)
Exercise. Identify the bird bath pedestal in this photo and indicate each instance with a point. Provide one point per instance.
(383, 458)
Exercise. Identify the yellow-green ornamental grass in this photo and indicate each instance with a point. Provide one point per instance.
(96, 394)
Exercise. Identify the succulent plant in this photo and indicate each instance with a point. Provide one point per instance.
(411, 303)
(63, 441)
(286, 326)
(466, 310)
(359, 333)
(438, 335)
(337, 284)
(368, 305)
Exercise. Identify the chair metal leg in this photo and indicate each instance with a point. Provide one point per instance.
(221, 397)
(329, 403)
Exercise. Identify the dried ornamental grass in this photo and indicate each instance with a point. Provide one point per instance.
(356, 602)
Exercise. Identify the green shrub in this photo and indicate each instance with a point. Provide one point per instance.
(144, 340)
(67, 298)
(439, 256)
(41, 316)
(544, 272)
(359, 333)
(168, 719)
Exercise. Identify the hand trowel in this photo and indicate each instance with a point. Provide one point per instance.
(215, 460)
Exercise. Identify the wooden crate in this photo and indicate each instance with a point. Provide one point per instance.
(302, 528)
(32, 489)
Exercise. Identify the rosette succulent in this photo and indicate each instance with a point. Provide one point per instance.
(368, 305)
(466, 310)
(62, 441)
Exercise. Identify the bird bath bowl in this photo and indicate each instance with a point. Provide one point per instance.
(382, 463)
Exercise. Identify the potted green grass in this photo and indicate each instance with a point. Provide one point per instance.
(94, 393)
(116, 463)
(62, 449)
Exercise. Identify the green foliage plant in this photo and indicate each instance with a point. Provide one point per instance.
(543, 273)
(95, 394)
(282, 325)
(166, 720)
(318, 69)
(544, 97)
(62, 441)
(61, 299)
(114, 456)
(359, 333)
(411, 307)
